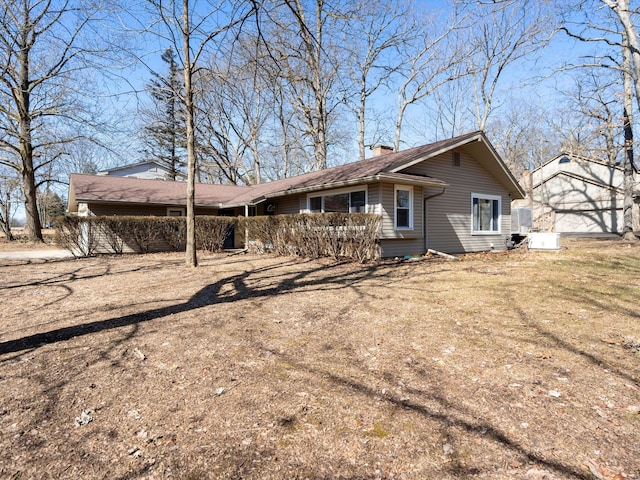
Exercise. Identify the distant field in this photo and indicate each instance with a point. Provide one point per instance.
(21, 241)
(517, 365)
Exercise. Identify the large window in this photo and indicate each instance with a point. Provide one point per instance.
(485, 213)
(403, 217)
(339, 201)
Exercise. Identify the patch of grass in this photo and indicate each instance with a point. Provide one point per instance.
(378, 431)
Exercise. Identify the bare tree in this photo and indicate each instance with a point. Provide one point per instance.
(43, 52)
(234, 102)
(525, 137)
(430, 63)
(596, 96)
(8, 193)
(613, 30)
(628, 162)
(379, 32)
(452, 115)
(309, 53)
(284, 153)
(501, 34)
(629, 41)
(192, 32)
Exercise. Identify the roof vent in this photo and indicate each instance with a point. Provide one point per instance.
(381, 150)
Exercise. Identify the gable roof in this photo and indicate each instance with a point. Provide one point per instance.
(582, 178)
(581, 158)
(130, 166)
(387, 167)
(390, 167)
(87, 188)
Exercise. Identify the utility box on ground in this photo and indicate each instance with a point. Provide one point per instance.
(543, 241)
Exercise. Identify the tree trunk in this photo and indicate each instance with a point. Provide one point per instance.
(26, 144)
(630, 41)
(627, 206)
(399, 121)
(5, 217)
(319, 90)
(361, 120)
(191, 259)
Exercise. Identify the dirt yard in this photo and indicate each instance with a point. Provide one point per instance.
(522, 365)
(22, 242)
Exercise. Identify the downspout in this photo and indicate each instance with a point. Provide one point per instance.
(424, 215)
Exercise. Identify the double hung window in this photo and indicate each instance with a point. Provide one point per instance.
(403, 215)
(485, 213)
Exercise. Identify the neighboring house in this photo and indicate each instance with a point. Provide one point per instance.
(453, 196)
(149, 170)
(574, 194)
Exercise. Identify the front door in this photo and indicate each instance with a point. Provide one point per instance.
(229, 241)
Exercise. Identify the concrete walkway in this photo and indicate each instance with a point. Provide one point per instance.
(52, 254)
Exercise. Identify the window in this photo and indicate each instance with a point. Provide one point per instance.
(336, 203)
(339, 201)
(315, 204)
(485, 213)
(176, 212)
(403, 207)
(358, 202)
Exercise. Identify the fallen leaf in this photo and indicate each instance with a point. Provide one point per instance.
(600, 472)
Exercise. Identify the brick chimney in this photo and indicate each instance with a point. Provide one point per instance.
(381, 150)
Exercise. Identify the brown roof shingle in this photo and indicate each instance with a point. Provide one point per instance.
(389, 166)
(137, 190)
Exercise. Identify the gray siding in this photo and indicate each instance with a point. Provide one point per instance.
(400, 248)
(388, 205)
(289, 204)
(102, 209)
(449, 215)
(398, 243)
(373, 199)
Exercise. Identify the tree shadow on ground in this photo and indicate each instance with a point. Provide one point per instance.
(548, 338)
(453, 416)
(319, 278)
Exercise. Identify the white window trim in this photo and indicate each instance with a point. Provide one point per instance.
(183, 211)
(326, 193)
(409, 189)
(485, 196)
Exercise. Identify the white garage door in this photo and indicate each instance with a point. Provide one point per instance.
(594, 221)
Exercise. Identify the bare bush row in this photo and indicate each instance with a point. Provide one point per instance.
(85, 236)
(335, 235)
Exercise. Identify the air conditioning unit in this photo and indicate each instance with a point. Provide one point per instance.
(521, 220)
(543, 241)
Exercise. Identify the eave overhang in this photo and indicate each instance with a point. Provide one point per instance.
(380, 177)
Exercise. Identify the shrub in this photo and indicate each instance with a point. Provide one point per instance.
(75, 235)
(85, 236)
(211, 232)
(336, 235)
